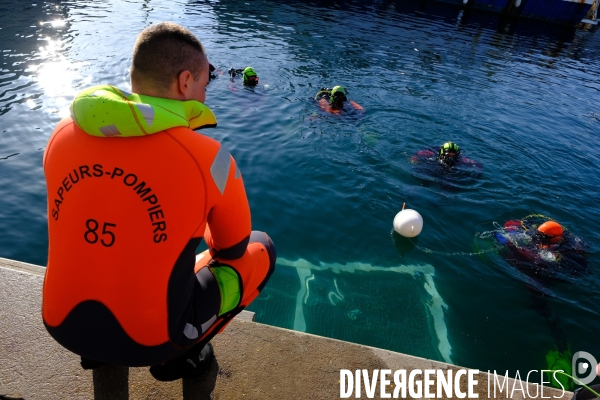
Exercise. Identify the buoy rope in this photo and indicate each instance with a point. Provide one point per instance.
(482, 235)
(455, 253)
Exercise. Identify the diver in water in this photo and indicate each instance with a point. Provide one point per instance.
(540, 245)
(248, 74)
(448, 155)
(447, 166)
(335, 100)
(544, 251)
(212, 72)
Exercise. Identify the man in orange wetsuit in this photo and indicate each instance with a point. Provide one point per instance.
(334, 100)
(132, 190)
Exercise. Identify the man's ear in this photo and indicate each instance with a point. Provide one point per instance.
(183, 83)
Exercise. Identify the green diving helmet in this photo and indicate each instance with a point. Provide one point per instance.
(250, 77)
(338, 95)
(448, 153)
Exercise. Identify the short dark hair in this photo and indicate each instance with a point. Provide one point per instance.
(164, 50)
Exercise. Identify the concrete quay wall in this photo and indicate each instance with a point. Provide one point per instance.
(253, 360)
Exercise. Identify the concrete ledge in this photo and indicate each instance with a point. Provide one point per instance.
(253, 361)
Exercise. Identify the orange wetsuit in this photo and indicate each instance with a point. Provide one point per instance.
(326, 106)
(126, 215)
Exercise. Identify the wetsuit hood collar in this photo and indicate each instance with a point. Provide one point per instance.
(107, 111)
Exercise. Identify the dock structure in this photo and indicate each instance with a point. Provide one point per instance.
(564, 12)
(591, 17)
(253, 361)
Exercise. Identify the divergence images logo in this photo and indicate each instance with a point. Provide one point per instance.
(584, 371)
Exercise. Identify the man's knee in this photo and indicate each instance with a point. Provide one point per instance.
(265, 240)
(253, 269)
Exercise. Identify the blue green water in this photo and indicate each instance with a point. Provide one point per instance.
(520, 98)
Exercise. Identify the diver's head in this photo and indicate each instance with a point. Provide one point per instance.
(337, 97)
(211, 69)
(448, 153)
(551, 231)
(250, 77)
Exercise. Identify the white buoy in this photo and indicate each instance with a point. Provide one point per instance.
(408, 223)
